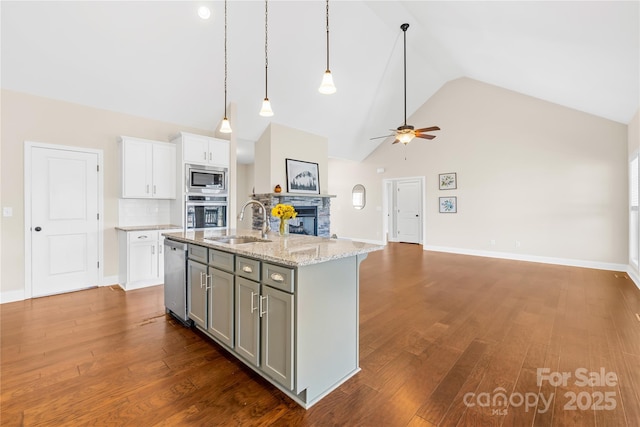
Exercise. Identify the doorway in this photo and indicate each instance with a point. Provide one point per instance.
(63, 218)
(404, 202)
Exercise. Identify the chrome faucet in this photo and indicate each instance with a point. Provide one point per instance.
(265, 223)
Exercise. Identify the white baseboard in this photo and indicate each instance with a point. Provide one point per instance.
(109, 280)
(357, 239)
(531, 258)
(11, 296)
(633, 275)
(18, 295)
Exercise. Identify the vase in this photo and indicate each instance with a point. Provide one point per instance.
(284, 227)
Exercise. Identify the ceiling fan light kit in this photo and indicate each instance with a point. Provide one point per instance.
(327, 87)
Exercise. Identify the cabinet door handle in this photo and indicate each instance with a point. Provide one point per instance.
(277, 277)
(253, 307)
(209, 281)
(153, 250)
(159, 249)
(202, 284)
(205, 155)
(264, 305)
(147, 188)
(154, 189)
(247, 269)
(209, 155)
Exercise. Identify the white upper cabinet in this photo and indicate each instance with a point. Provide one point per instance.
(204, 150)
(148, 169)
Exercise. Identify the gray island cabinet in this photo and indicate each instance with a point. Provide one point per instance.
(287, 308)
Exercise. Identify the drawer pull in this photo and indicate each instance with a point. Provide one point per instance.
(277, 277)
(247, 269)
(144, 236)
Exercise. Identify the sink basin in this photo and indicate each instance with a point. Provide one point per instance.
(238, 240)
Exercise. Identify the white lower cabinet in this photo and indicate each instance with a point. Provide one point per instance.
(141, 258)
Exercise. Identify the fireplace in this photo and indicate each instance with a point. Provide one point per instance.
(306, 222)
(314, 212)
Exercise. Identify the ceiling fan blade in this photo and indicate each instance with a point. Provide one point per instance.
(432, 128)
(378, 137)
(425, 136)
(395, 142)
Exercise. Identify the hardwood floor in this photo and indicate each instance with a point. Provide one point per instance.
(441, 337)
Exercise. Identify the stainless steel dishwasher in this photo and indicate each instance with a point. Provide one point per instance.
(175, 278)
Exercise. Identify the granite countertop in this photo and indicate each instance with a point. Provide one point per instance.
(293, 250)
(149, 227)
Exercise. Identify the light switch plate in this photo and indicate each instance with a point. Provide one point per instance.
(7, 211)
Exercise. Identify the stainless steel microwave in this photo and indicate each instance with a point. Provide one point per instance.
(204, 179)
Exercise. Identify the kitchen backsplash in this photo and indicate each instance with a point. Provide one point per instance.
(133, 212)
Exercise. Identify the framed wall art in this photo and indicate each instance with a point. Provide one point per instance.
(448, 204)
(302, 177)
(448, 181)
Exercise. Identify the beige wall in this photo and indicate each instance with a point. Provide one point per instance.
(278, 143)
(30, 118)
(552, 178)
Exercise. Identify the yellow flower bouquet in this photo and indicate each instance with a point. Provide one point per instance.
(285, 213)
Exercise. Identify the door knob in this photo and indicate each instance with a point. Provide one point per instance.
(38, 228)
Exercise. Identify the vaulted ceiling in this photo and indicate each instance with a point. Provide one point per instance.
(160, 60)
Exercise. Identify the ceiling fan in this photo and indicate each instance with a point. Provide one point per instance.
(406, 133)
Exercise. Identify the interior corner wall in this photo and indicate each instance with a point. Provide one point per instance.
(31, 118)
(535, 178)
(280, 142)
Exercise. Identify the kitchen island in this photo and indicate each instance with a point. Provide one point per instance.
(285, 306)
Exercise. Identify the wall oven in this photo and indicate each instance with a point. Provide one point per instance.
(205, 212)
(206, 179)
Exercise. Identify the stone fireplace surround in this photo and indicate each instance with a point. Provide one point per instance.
(321, 201)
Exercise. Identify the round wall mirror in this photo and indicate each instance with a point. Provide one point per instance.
(358, 196)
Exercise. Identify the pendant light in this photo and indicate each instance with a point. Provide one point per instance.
(266, 110)
(327, 87)
(225, 127)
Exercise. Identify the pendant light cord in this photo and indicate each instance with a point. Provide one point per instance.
(327, 35)
(225, 59)
(266, 56)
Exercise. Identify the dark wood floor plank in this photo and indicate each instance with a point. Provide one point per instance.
(436, 330)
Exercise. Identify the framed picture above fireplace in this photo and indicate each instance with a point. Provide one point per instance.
(302, 177)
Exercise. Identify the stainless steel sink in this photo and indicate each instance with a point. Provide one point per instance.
(238, 240)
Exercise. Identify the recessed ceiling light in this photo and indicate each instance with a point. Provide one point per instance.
(204, 12)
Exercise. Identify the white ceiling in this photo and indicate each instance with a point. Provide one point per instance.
(160, 60)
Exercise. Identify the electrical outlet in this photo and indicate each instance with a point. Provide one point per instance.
(493, 242)
(517, 243)
(7, 211)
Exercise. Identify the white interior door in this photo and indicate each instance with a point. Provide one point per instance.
(64, 220)
(409, 211)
